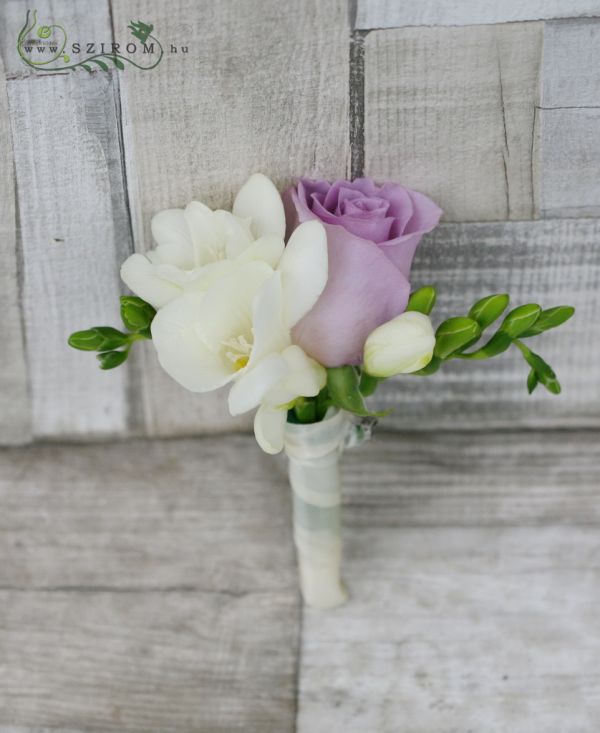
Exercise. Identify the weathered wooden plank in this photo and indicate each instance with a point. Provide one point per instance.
(568, 122)
(82, 22)
(551, 262)
(205, 514)
(394, 14)
(74, 233)
(478, 478)
(15, 415)
(450, 111)
(148, 662)
(263, 87)
(456, 630)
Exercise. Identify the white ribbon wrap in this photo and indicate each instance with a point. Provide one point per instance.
(314, 453)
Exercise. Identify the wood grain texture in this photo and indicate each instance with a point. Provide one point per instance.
(548, 262)
(458, 630)
(263, 87)
(396, 14)
(568, 121)
(74, 233)
(146, 586)
(148, 662)
(83, 22)
(450, 111)
(15, 418)
(473, 479)
(205, 515)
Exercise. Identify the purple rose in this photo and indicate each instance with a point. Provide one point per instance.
(372, 234)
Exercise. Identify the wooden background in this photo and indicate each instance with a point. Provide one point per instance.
(149, 585)
(490, 108)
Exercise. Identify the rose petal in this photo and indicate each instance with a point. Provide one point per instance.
(362, 292)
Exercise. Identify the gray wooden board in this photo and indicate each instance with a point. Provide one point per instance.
(263, 87)
(204, 514)
(479, 478)
(148, 662)
(568, 121)
(450, 112)
(395, 13)
(490, 630)
(83, 22)
(14, 397)
(74, 233)
(548, 262)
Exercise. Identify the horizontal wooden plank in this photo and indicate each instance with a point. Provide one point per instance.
(148, 662)
(568, 121)
(478, 478)
(263, 87)
(450, 112)
(82, 22)
(204, 515)
(549, 262)
(394, 14)
(74, 233)
(457, 630)
(15, 417)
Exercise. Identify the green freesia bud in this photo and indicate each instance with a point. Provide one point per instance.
(422, 300)
(401, 346)
(488, 309)
(454, 334)
(137, 315)
(112, 359)
(520, 319)
(100, 338)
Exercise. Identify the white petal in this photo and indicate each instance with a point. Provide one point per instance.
(236, 231)
(268, 249)
(249, 390)
(259, 199)
(181, 353)
(269, 331)
(179, 254)
(227, 305)
(170, 227)
(303, 267)
(143, 278)
(305, 378)
(206, 233)
(269, 428)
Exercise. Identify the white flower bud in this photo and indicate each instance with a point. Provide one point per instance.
(400, 346)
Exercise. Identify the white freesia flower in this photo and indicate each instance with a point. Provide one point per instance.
(238, 330)
(197, 246)
(401, 346)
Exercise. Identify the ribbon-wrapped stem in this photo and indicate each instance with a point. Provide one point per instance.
(314, 452)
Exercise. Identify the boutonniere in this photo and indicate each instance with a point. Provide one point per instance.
(302, 305)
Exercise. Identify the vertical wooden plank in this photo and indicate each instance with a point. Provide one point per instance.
(394, 14)
(14, 398)
(450, 111)
(549, 262)
(74, 234)
(569, 120)
(263, 87)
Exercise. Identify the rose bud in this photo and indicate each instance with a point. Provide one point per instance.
(400, 346)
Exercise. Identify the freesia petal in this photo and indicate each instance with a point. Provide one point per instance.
(249, 390)
(268, 249)
(270, 333)
(206, 233)
(142, 278)
(170, 227)
(237, 233)
(227, 305)
(303, 267)
(269, 429)
(260, 200)
(306, 377)
(181, 353)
